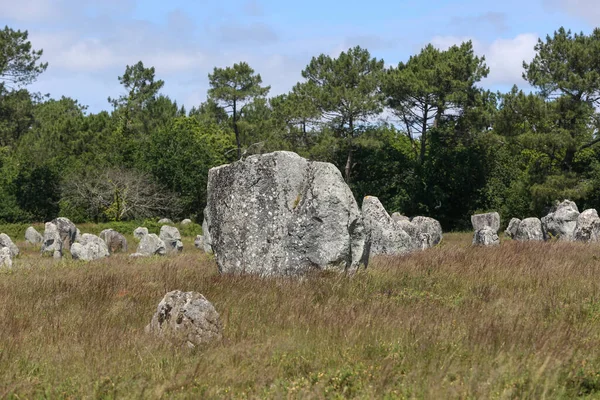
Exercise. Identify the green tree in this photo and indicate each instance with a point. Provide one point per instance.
(19, 63)
(346, 92)
(233, 87)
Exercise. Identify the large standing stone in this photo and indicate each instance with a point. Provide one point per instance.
(5, 257)
(588, 227)
(491, 220)
(89, 248)
(530, 229)
(280, 214)
(52, 244)
(32, 236)
(186, 317)
(67, 231)
(384, 235)
(151, 245)
(486, 236)
(5, 241)
(139, 233)
(114, 241)
(172, 238)
(561, 221)
(513, 226)
(206, 236)
(429, 232)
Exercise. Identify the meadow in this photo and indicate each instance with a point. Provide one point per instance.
(521, 320)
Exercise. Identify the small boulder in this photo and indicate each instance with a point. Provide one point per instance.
(491, 220)
(67, 231)
(139, 233)
(5, 257)
(486, 236)
(165, 221)
(199, 242)
(429, 232)
(114, 241)
(513, 226)
(52, 244)
(172, 238)
(32, 236)
(530, 229)
(561, 221)
(151, 245)
(187, 318)
(186, 222)
(5, 241)
(89, 248)
(587, 229)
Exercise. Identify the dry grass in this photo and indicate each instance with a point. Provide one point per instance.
(517, 321)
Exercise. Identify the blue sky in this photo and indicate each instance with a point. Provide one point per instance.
(88, 43)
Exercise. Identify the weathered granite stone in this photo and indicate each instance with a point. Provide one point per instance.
(206, 235)
(186, 318)
(5, 241)
(486, 236)
(491, 220)
(587, 229)
(67, 231)
(5, 257)
(199, 242)
(32, 236)
(399, 217)
(429, 232)
(52, 244)
(139, 233)
(186, 221)
(172, 238)
(280, 214)
(384, 235)
(530, 229)
(513, 226)
(90, 247)
(151, 245)
(115, 241)
(561, 221)
(165, 221)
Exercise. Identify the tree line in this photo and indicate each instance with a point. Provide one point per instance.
(424, 136)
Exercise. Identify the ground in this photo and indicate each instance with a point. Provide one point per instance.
(521, 320)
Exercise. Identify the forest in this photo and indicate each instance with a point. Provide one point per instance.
(424, 136)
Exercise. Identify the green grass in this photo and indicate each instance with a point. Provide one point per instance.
(521, 320)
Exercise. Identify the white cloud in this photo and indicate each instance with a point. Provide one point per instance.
(504, 57)
(28, 10)
(587, 10)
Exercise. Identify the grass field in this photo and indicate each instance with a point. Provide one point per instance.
(517, 321)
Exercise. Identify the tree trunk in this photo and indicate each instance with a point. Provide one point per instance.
(237, 134)
(424, 136)
(348, 169)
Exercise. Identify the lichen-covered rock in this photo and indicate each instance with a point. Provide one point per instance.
(67, 231)
(199, 242)
(186, 221)
(399, 217)
(280, 214)
(5, 257)
(89, 248)
(206, 236)
(52, 244)
(187, 318)
(491, 220)
(587, 229)
(151, 245)
(561, 221)
(139, 233)
(172, 238)
(513, 226)
(530, 229)
(429, 232)
(486, 236)
(384, 235)
(165, 221)
(115, 241)
(5, 241)
(32, 236)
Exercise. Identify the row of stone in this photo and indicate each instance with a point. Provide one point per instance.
(564, 222)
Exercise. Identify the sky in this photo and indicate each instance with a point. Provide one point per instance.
(88, 43)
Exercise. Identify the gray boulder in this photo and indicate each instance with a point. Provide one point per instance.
(5, 257)
(139, 233)
(151, 245)
(561, 221)
(186, 222)
(67, 231)
(491, 220)
(513, 226)
(486, 236)
(172, 238)
(52, 244)
(199, 242)
(5, 241)
(89, 248)
(399, 217)
(587, 229)
(187, 318)
(32, 236)
(115, 241)
(384, 235)
(530, 229)
(280, 214)
(429, 232)
(206, 236)
(165, 221)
